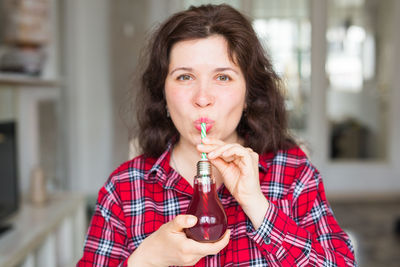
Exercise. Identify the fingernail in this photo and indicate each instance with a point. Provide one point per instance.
(211, 154)
(191, 220)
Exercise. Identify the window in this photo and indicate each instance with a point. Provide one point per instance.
(359, 45)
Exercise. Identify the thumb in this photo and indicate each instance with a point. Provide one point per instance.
(183, 221)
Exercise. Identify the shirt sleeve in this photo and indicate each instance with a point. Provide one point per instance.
(106, 242)
(310, 236)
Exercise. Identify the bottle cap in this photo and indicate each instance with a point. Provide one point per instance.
(203, 168)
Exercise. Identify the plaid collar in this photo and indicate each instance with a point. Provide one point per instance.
(161, 172)
(161, 169)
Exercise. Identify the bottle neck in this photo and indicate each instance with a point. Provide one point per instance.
(203, 181)
(204, 184)
(203, 167)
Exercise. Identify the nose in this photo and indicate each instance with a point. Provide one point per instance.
(203, 96)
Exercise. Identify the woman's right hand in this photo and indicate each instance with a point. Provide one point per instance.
(169, 245)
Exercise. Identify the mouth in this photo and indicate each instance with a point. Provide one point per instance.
(209, 124)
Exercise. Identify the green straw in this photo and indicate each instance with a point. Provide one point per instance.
(203, 135)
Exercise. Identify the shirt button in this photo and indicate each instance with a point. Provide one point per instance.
(267, 240)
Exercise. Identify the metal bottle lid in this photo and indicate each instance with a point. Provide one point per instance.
(203, 168)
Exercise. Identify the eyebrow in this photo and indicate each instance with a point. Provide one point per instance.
(215, 70)
(225, 69)
(181, 68)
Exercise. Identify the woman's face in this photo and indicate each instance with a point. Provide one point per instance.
(204, 85)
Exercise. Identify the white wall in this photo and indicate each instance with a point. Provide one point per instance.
(87, 101)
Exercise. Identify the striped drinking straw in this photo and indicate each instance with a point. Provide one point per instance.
(203, 135)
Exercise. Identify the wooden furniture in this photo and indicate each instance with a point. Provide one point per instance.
(50, 235)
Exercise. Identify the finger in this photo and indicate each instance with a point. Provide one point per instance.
(253, 154)
(206, 148)
(182, 221)
(209, 144)
(239, 152)
(237, 155)
(212, 141)
(218, 152)
(214, 248)
(230, 159)
(210, 148)
(220, 164)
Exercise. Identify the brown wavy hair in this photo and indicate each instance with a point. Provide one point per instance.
(263, 125)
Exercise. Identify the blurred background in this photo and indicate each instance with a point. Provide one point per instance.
(66, 71)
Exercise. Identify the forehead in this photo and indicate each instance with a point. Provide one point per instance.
(213, 49)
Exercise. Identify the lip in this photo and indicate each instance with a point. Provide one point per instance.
(209, 123)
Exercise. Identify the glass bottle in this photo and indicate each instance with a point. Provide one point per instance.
(206, 206)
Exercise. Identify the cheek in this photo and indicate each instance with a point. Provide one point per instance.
(170, 95)
(237, 101)
(176, 101)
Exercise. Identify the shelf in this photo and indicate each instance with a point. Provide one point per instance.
(25, 80)
(45, 236)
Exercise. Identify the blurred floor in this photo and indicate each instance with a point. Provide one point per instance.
(372, 224)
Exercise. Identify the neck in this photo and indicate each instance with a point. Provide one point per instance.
(184, 159)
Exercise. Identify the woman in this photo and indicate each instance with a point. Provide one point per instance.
(207, 65)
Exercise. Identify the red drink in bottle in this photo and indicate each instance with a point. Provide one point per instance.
(206, 206)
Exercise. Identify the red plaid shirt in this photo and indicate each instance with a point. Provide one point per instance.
(298, 229)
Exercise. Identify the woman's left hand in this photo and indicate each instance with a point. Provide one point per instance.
(239, 169)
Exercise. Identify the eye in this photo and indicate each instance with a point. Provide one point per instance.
(184, 77)
(223, 78)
